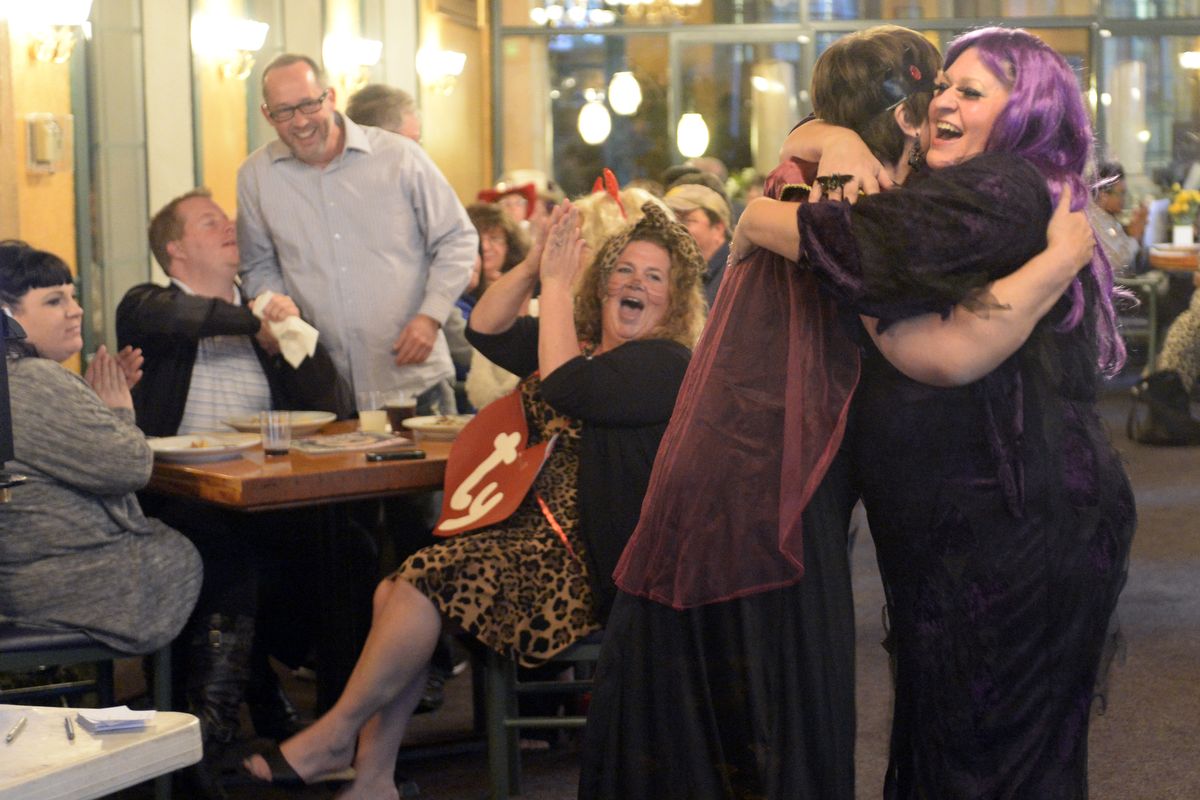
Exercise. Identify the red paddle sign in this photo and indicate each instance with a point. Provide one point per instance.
(490, 468)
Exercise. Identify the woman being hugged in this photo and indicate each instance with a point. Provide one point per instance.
(1001, 514)
(602, 366)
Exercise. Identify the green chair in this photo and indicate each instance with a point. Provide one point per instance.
(502, 722)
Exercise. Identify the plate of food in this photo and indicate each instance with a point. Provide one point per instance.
(303, 422)
(196, 448)
(443, 427)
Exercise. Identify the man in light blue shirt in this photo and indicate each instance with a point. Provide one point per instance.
(359, 227)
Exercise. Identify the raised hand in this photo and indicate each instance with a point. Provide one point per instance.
(562, 255)
(131, 360)
(107, 379)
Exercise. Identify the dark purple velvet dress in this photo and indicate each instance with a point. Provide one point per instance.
(1001, 514)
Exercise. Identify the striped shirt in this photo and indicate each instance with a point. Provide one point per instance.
(227, 381)
(362, 246)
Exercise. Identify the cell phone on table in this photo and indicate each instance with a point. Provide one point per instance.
(397, 455)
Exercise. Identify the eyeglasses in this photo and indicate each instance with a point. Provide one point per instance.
(306, 107)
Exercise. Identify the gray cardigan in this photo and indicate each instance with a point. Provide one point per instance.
(75, 549)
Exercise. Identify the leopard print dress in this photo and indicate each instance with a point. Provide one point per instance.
(517, 587)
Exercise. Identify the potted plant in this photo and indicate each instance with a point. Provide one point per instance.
(1185, 203)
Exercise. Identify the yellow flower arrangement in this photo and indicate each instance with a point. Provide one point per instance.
(1185, 204)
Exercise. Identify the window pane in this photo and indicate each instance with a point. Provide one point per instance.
(907, 11)
(750, 95)
(1151, 109)
(618, 13)
(1151, 9)
(547, 83)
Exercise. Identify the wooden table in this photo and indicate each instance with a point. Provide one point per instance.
(42, 764)
(254, 483)
(1172, 260)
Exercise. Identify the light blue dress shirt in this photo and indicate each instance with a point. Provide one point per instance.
(362, 246)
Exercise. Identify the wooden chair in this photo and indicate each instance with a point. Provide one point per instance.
(24, 648)
(503, 724)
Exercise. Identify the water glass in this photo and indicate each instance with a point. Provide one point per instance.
(276, 429)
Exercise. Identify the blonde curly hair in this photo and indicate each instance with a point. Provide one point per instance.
(601, 217)
(685, 307)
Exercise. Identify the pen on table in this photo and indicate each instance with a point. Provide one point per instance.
(70, 726)
(12, 734)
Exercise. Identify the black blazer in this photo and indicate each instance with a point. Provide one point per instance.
(168, 324)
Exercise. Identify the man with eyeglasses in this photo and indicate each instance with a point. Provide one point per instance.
(358, 226)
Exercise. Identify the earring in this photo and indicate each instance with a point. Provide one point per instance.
(916, 158)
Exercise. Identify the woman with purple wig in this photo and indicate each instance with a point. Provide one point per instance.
(728, 661)
(1001, 514)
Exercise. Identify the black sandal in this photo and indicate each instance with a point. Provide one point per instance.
(284, 776)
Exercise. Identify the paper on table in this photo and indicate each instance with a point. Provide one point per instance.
(297, 339)
(116, 718)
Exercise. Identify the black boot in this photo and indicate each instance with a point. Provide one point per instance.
(271, 710)
(218, 671)
(1161, 413)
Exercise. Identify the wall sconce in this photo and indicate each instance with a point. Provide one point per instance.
(624, 93)
(691, 135)
(50, 26)
(1189, 59)
(229, 41)
(439, 69)
(349, 59)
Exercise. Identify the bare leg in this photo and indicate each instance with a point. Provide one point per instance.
(384, 688)
(375, 762)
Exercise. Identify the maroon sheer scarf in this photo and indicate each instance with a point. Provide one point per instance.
(759, 418)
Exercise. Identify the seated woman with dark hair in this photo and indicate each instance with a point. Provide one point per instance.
(76, 552)
(602, 366)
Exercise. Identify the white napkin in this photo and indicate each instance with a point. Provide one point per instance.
(297, 339)
(116, 718)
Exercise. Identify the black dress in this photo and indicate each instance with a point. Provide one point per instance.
(748, 698)
(1001, 514)
(717, 682)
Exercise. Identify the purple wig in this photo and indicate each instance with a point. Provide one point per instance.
(1046, 122)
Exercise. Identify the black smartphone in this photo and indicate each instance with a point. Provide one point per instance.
(398, 455)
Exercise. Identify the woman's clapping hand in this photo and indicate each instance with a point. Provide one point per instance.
(131, 361)
(563, 251)
(107, 379)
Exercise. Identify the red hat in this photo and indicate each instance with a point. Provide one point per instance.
(526, 190)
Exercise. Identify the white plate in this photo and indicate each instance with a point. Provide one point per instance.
(439, 427)
(196, 448)
(303, 422)
(1175, 249)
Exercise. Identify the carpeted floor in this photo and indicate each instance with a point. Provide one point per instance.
(1143, 748)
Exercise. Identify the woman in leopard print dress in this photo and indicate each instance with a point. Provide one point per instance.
(603, 365)
(1166, 393)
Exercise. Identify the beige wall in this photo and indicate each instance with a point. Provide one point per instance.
(457, 126)
(45, 203)
(37, 207)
